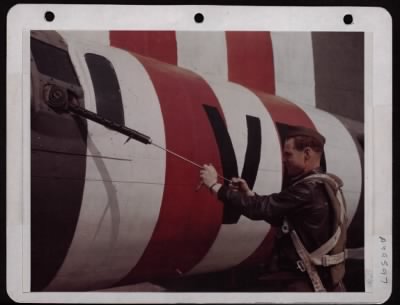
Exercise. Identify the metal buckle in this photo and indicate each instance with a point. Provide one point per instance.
(301, 266)
(285, 228)
(324, 261)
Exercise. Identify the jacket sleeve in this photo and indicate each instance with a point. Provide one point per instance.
(271, 208)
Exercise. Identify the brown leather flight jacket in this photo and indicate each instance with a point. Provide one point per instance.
(307, 209)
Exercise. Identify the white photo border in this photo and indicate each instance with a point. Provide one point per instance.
(375, 22)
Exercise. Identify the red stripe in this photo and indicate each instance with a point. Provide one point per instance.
(189, 221)
(160, 45)
(250, 60)
(283, 111)
(263, 253)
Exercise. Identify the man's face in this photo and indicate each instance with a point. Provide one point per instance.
(293, 159)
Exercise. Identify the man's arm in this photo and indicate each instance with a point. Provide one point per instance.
(271, 208)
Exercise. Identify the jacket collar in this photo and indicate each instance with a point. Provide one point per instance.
(317, 170)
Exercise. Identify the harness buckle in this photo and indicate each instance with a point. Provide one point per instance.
(324, 261)
(285, 228)
(301, 266)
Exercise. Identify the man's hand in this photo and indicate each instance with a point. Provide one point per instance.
(240, 185)
(208, 175)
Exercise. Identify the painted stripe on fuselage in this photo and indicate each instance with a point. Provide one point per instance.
(111, 236)
(188, 221)
(342, 158)
(250, 60)
(294, 66)
(160, 45)
(56, 191)
(285, 112)
(203, 53)
(222, 255)
(97, 37)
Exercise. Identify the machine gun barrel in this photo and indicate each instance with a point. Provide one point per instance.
(127, 131)
(57, 99)
(138, 136)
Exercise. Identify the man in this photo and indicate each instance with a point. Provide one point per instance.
(307, 211)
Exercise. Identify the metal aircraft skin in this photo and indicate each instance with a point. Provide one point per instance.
(106, 212)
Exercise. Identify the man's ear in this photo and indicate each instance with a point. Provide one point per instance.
(307, 153)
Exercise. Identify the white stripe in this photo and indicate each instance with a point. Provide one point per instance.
(342, 158)
(111, 235)
(294, 66)
(338, 164)
(203, 52)
(236, 103)
(98, 37)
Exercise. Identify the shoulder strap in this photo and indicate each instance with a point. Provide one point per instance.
(308, 265)
(335, 244)
(333, 187)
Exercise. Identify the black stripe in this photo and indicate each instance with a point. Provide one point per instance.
(224, 142)
(228, 157)
(106, 88)
(55, 203)
(253, 150)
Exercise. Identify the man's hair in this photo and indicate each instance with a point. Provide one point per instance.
(306, 137)
(301, 142)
